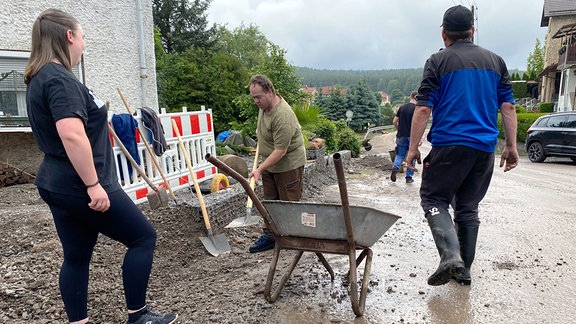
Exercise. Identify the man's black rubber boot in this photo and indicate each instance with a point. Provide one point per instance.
(393, 174)
(446, 240)
(467, 236)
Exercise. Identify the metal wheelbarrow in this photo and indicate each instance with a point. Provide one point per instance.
(320, 228)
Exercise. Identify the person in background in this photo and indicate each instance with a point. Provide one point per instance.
(77, 177)
(282, 147)
(403, 122)
(463, 87)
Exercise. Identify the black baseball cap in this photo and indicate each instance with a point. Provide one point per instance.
(457, 18)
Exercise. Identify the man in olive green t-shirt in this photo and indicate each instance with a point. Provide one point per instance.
(282, 147)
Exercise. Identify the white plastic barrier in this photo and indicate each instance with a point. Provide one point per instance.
(197, 134)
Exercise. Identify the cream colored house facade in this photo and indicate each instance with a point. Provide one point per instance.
(119, 50)
(119, 53)
(558, 83)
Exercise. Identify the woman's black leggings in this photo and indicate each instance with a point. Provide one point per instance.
(78, 227)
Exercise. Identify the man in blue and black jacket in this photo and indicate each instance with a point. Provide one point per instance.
(463, 87)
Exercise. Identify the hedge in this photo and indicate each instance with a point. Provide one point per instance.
(525, 120)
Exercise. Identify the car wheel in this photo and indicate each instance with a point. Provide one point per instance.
(536, 152)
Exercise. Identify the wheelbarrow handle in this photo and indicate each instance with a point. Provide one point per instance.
(337, 158)
(246, 185)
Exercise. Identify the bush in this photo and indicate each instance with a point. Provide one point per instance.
(239, 150)
(387, 115)
(221, 149)
(326, 130)
(520, 109)
(520, 89)
(546, 107)
(525, 120)
(346, 139)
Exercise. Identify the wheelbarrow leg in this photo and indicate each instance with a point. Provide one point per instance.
(326, 265)
(361, 257)
(359, 302)
(271, 297)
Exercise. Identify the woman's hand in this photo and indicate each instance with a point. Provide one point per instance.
(98, 198)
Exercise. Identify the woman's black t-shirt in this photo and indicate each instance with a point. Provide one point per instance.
(54, 93)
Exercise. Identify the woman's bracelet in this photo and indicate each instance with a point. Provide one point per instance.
(93, 185)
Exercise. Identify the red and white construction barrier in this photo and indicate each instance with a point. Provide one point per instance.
(197, 134)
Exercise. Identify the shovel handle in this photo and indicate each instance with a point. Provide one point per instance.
(191, 170)
(148, 148)
(252, 180)
(131, 159)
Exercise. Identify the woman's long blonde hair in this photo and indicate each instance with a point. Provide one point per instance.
(49, 41)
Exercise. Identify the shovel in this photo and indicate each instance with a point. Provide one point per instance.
(157, 198)
(214, 244)
(152, 155)
(249, 219)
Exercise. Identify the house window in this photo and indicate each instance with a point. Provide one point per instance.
(12, 87)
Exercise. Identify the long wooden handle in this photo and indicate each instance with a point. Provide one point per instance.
(152, 155)
(252, 180)
(131, 159)
(191, 170)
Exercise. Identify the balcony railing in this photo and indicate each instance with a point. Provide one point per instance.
(567, 55)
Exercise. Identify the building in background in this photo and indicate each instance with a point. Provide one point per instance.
(119, 53)
(558, 80)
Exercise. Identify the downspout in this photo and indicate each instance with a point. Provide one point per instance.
(142, 50)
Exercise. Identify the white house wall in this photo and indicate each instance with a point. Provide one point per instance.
(566, 97)
(112, 56)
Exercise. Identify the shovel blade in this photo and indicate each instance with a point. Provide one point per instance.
(249, 220)
(157, 198)
(244, 221)
(216, 244)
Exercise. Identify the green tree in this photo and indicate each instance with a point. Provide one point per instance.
(282, 74)
(364, 105)
(536, 60)
(396, 96)
(334, 105)
(246, 43)
(286, 83)
(183, 24)
(198, 77)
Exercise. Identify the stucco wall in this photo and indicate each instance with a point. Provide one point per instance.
(112, 57)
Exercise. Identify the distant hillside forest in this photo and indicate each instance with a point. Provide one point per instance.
(405, 80)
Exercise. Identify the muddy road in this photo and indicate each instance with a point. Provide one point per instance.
(524, 270)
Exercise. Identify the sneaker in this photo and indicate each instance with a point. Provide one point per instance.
(393, 174)
(409, 180)
(265, 242)
(154, 318)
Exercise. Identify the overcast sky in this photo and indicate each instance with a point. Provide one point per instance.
(381, 34)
